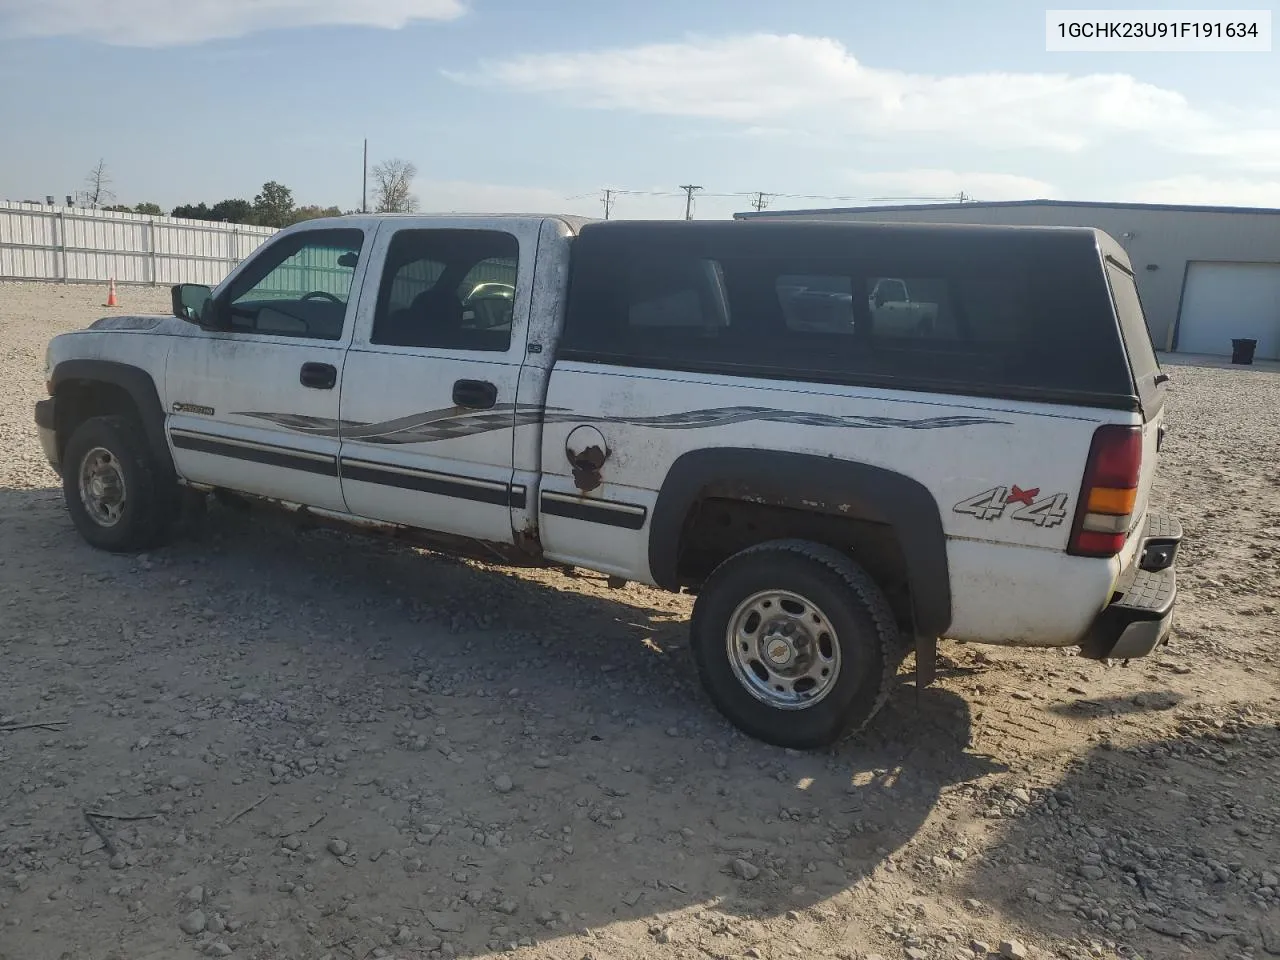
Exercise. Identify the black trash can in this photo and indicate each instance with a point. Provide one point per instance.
(1242, 351)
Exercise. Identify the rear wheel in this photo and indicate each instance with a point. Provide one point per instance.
(795, 643)
(114, 488)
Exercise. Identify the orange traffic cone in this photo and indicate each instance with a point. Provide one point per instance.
(111, 294)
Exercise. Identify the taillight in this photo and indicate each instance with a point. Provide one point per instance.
(1109, 492)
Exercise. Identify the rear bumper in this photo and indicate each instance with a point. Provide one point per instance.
(1140, 614)
(46, 428)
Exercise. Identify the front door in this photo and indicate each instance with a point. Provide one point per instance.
(428, 396)
(255, 408)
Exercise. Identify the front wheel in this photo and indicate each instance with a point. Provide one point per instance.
(113, 486)
(795, 643)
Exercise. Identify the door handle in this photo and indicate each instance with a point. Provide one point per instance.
(476, 394)
(319, 376)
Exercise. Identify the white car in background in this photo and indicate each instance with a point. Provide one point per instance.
(895, 313)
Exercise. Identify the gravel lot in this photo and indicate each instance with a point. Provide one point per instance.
(304, 745)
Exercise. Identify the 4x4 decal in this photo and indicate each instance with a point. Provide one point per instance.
(994, 503)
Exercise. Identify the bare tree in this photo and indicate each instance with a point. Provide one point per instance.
(99, 193)
(393, 185)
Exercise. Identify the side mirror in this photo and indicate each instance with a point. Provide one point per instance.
(349, 260)
(193, 302)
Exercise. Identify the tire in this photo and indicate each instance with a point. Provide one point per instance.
(838, 601)
(141, 515)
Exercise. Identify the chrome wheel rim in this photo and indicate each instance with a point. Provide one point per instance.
(102, 487)
(783, 649)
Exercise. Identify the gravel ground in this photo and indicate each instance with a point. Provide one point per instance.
(304, 745)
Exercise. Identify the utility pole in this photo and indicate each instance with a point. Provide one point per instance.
(364, 180)
(688, 199)
(607, 199)
(761, 201)
(964, 197)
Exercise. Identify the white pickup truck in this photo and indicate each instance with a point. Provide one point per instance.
(642, 399)
(894, 311)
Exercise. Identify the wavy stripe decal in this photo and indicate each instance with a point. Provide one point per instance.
(723, 416)
(450, 424)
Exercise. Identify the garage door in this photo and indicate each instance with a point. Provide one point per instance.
(1225, 301)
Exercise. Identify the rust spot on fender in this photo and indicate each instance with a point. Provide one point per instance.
(592, 458)
(587, 464)
(586, 480)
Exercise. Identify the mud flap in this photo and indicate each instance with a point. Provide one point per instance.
(926, 662)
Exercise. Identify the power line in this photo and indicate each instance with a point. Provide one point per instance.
(756, 194)
(688, 199)
(760, 199)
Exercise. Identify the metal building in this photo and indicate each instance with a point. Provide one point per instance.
(1206, 275)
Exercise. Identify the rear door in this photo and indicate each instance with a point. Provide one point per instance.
(429, 390)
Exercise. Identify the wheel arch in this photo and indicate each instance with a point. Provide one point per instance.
(815, 485)
(72, 378)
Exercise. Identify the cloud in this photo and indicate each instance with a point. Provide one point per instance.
(1197, 189)
(1255, 149)
(767, 81)
(950, 183)
(160, 23)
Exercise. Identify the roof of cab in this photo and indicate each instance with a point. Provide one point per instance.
(810, 233)
(791, 225)
(572, 220)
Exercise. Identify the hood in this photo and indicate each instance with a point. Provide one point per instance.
(166, 325)
(127, 323)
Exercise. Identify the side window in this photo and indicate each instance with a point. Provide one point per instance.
(815, 303)
(489, 292)
(681, 297)
(298, 286)
(1134, 329)
(985, 312)
(413, 278)
(448, 289)
(888, 290)
(911, 307)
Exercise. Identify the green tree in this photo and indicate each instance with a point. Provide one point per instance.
(233, 211)
(273, 207)
(151, 209)
(119, 208)
(192, 211)
(313, 212)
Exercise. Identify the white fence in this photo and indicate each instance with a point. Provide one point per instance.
(71, 244)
